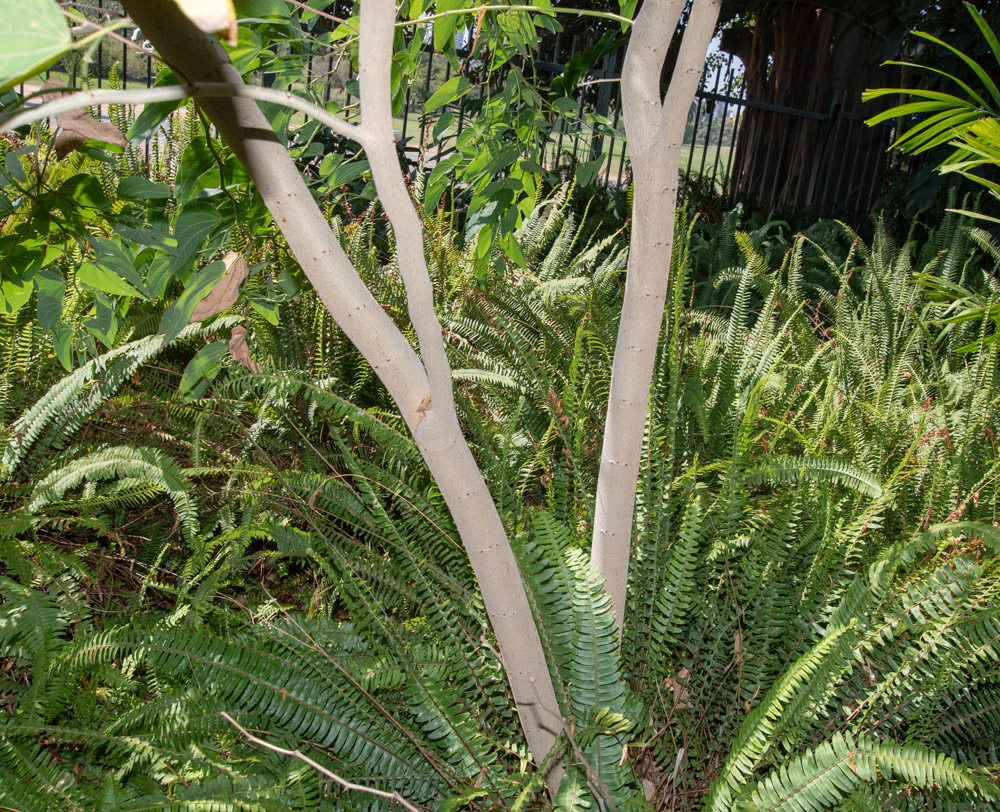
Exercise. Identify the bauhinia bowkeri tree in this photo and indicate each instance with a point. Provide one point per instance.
(420, 381)
(654, 128)
(420, 384)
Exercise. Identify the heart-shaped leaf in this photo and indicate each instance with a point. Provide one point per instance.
(33, 36)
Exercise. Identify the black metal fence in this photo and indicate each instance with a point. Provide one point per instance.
(710, 157)
(713, 158)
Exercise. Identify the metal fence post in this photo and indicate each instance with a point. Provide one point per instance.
(603, 104)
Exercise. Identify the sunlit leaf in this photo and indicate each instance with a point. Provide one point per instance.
(450, 91)
(198, 287)
(33, 36)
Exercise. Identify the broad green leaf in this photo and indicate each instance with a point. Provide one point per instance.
(148, 237)
(266, 309)
(51, 286)
(346, 30)
(152, 116)
(587, 173)
(17, 273)
(490, 163)
(438, 181)
(136, 188)
(158, 275)
(13, 166)
(33, 36)
(276, 10)
(104, 325)
(442, 124)
(9, 99)
(14, 294)
(114, 255)
(434, 194)
(85, 190)
(566, 105)
(102, 278)
(195, 222)
(443, 167)
(199, 170)
(513, 251)
(203, 368)
(62, 342)
(416, 8)
(518, 29)
(337, 175)
(245, 54)
(445, 27)
(484, 251)
(453, 89)
(198, 287)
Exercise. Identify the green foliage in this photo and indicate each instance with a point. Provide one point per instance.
(782, 606)
(968, 122)
(36, 37)
(812, 616)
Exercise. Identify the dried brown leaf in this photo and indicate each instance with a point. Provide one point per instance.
(224, 294)
(76, 126)
(239, 351)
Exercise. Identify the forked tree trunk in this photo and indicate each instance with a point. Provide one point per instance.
(654, 129)
(420, 385)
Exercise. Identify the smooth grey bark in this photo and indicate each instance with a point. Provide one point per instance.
(654, 130)
(420, 385)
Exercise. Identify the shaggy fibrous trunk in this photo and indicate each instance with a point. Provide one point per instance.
(420, 384)
(654, 128)
(807, 144)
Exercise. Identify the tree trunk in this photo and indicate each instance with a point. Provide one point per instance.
(655, 131)
(803, 140)
(420, 385)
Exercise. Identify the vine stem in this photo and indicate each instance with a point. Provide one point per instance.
(394, 796)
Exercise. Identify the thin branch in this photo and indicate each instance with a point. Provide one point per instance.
(549, 12)
(589, 82)
(323, 14)
(394, 796)
(374, 61)
(88, 98)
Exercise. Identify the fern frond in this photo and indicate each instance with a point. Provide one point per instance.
(821, 778)
(148, 465)
(797, 469)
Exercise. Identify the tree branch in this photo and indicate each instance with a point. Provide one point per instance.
(19, 117)
(647, 48)
(374, 61)
(198, 58)
(393, 796)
